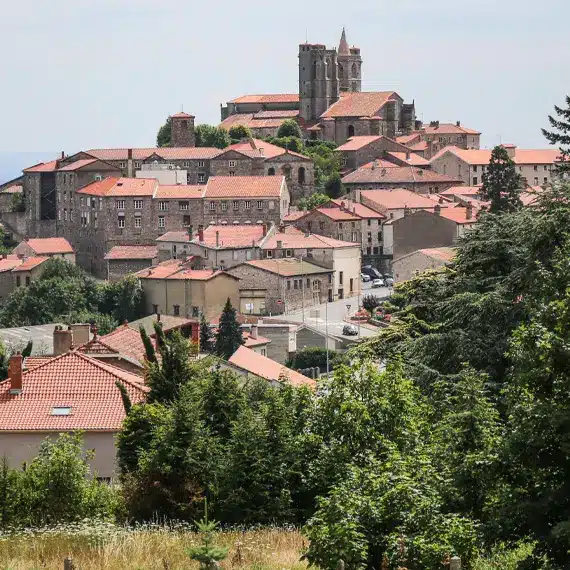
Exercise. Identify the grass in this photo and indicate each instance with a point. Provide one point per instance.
(107, 547)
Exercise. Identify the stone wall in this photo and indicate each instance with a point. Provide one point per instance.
(17, 223)
(119, 268)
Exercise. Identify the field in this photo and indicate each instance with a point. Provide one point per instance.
(106, 547)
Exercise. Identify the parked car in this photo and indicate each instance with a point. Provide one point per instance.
(372, 272)
(365, 277)
(349, 330)
(378, 283)
(389, 280)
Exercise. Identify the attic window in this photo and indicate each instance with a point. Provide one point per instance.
(61, 411)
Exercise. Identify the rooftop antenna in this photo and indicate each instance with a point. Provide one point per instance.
(306, 35)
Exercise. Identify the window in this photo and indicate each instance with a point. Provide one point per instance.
(536, 180)
(340, 277)
(248, 254)
(309, 226)
(138, 223)
(247, 205)
(201, 177)
(183, 206)
(18, 281)
(65, 214)
(186, 221)
(212, 206)
(375, 251)
(121, 221)
(288, 253)
(354, 236)
(232, 173)
(122, 164)
(545, 180)
(161, 221)
(260, 204)
(288, 284)
(351, 286)
(232, 163)
(186, 164)
(82, 201)
(155, 309)
(137, 163)
(322, 225)
(271, 205)
(100, 203)
(535, 167)
(350, 131)
(176, 310)
(271, 172)
(340, 226)
(28, 281)
(61, 411)
(235, 254)
(200, 164)
(224, 206)
(369, 237)
(236, 205)
(95, 219)
(475, 168)
(301, 175)
(308, 283)
(138, 204)
(120, 204)
(330, 279)
(195, 311)
(340, 237)
(269, 254)
(263, 352)
(163, 206)
(475, 181)
(368, 250)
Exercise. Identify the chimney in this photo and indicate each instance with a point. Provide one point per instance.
(254, 331)
(469, 211)
(408, 155)
(264, 230)
(15, 367)
(458, 123)
(217, 239)
(62, 154)
(511, 150)
(437, 210)
(130, 163)
(62, 340)
(80, 333)
(200, 234)
(279, 244)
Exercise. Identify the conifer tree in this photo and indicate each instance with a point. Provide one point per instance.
(502, 184)
(148, 346)
(28, 349)
(229, 337)
(206, 336)
(560, 134)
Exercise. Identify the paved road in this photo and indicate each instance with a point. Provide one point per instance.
(330, 316)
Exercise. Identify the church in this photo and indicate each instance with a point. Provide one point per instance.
(330, 104)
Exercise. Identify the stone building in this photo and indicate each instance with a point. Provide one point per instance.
(123, 260)
(415, 262)
(46, 247)
(360, 150)
(275, 286)
(28, 271)
(182, 130)
(7, 264)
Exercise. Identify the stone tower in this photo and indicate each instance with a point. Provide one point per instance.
(318, 80)
(349, 66)
(182, 130)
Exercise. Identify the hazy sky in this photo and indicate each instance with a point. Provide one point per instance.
(76, 74)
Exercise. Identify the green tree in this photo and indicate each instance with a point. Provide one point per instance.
(560, 134)
(313, 201)
(10, 491)
(28, 349)
(229, 336)
(123, 299)
(333, 186)
(4, 360)
(290, 143)
(240, 132)
(210, 136)
(164, 135)
(206, 336)
(207, 554)
(502, 184)
(289, 128)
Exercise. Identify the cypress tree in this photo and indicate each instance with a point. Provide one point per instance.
(148, 346)
(206, 336)
(502, 184)
(560, 135)
(229, 337)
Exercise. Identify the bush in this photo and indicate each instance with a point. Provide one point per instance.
(289, 128)
(370, 302)
(314, 357)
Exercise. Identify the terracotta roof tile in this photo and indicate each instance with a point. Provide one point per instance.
(268, 98)
(29, 264)
(462, 191)
(179, 192)
(121, 252)
(397, 175)
(287, 267)
(448, 129)
(412, 158)
(483, 156)
(337, 214)
(264, 367)
(74, 381)
(43, 167)
(363, 104)
(419, 146)
(407, 139)
(78, 164)
(277, 114)
(397, 198)
(125, 340)
(459, 215)
(178, 237)
(167, 153)
(294, 216)
(181, 115)
(9, 262)
(250, 342)
(249, 120)
(292, 238)
(356, 143)
(14, 189)
(46, 246)
(265, 149)
(34, 361)
(359, 209)
(119, 187)
(244, 187)
(445, 253)
(234, 236)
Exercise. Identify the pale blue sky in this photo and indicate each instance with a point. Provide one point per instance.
(89, 73)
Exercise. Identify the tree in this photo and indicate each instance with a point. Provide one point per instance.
(123, 299)
(207, 554)
(313, 201)
(560, 135)
(4, 360)
(229, 336)
(164, 135)
(240, 132)
(210, 136)
(370, 302)
(206, 336)
(502, 184)
(289, 128)
(290, 143)
(333, 186)
(28, 349)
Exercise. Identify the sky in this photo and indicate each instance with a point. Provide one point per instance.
(79, 74)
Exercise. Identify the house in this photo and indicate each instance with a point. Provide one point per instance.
(123, 260)
(376, 175)
(343, 257)
(274, 286)
(174, 288)
(535, 166)
(189, 328)
(360, 150)
(393, 203)
(8, 194)
(29, 270)
(248, 363)
(8, 262)
(66, 393)
(409, 265)
(436, 135)
(46, 247)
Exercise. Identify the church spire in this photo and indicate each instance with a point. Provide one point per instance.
(343, 45)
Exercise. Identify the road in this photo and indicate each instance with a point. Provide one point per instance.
(330, 316)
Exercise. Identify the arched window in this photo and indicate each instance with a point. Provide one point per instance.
(340, 72)
(271, 172)
(445, 168)
(350, 131)
(354, 70)
(286, 171)
(301, 175)
(328, 65)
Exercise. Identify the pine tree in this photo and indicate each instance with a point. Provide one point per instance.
(207, 554)
(229, 337)
(206, 336)
(164, 135)
(127, 404)
(28, 349)
(502, 184)
(560, 135)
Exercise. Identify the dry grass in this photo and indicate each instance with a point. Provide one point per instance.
(105, 547)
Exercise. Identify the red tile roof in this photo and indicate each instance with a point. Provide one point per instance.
(287, 267)
(181, 115)
(407, 139)
(121, 252)
(294, 216)
(449, 129)
(411, 158)
(35, 361)
(244, 187)
(179, 192)
(359, 209)
(178, 237)
(14, 189)
(43, 167)
(249, 120)
(397, 175)
(462, 191)
(46, 246)
(232, 236)
(483, 156)
(356, 143)
(265, 149)
(71, 380)
(78, 164)
(167, 153)
(127, 341)
(195, 275)
(379, 163)
(359, 104)
(292, 238)
(178, 269)
(337, 214)
(444, 253)
(420, 146)
(30, 263)
(250, 342)
(264, 367)
(281, 114)
(459, 215)
(397, 198)
(268, 98)
(9, 262)
(120, 187)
